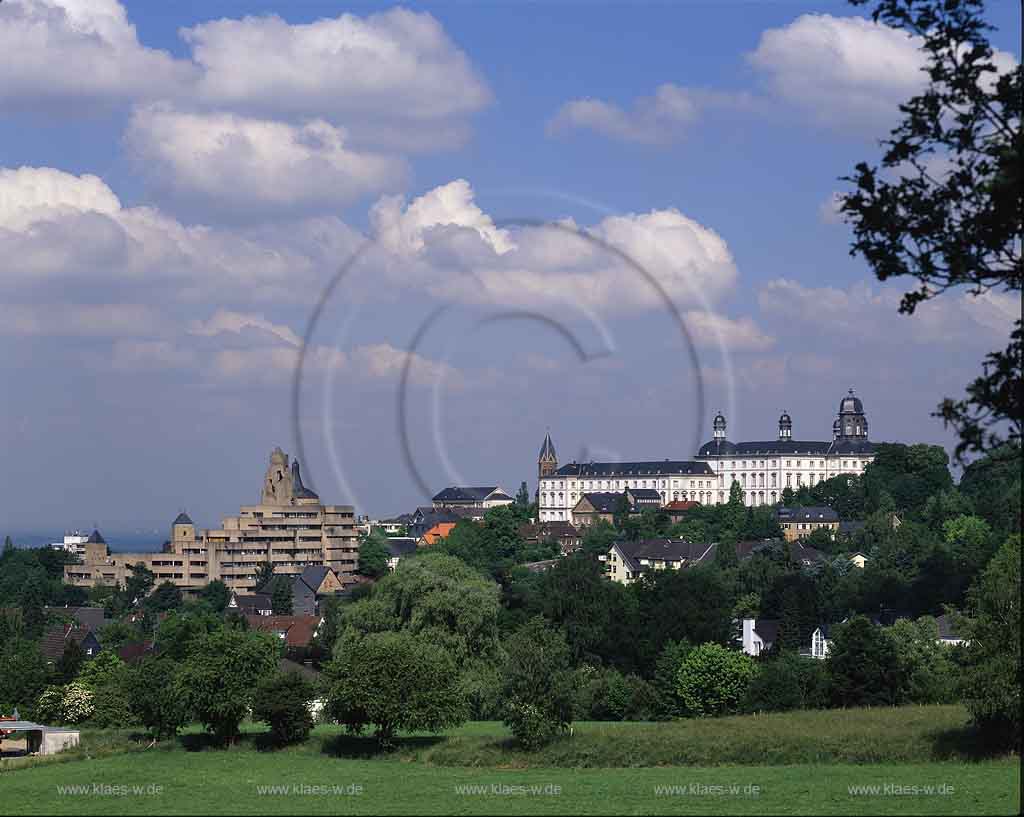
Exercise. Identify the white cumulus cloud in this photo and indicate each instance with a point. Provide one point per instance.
(255, 163)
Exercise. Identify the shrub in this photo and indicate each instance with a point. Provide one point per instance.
(789, 681)
(111, 710)
(666, 679)
(607, 695)
(72, 703)
(538, 687)
(863, 665)
(283, 702)
(714, 680)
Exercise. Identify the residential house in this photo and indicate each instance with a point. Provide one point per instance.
(435, 534)
(91, 618)
(759, 635)
(398, 548)
(625, 562)
(251, 604)
(859, 559)
(597, 505)
(485, 497)
(640, 499)
(799, 522)
(134, 651)
(677, 508)
(425, 518)
(295, 631)
(566, 534)
(820, 642)
(56, 639)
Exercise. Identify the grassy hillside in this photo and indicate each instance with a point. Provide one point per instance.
(800, 763)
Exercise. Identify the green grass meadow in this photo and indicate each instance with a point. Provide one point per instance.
(920, 760)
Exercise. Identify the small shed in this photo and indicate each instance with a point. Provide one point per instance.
(36, 738)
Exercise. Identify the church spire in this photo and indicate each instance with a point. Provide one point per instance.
(547, 460)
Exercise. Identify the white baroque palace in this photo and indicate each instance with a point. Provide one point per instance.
(763, 469)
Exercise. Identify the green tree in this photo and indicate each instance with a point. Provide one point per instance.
(992, 678)
(373, 554)
(264, 574)
(166, 597)
(154, 698)
(282, 597)
(958, 226)
(538, 687)
(666, 679)
(218, 679)
(713, 680)
(217, 595)
(437, 598)
(283, 703)
(970, 543)
(863, 665)
(393, 681)
(138, 584)
(598, 538)
(23, 677)
(71, 661)
(927, 673)
(176, 633)
(993, 486)
(523, 495)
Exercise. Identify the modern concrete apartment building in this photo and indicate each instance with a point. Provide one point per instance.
(290, 528)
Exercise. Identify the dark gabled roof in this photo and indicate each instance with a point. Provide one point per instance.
(807, 554)
(559, 529)
(91, 618)
(471, 493)
(313, 576)
(96, 538)
(817, 448)
(669, 550)
(251, 602)
(182, 519)
(399, 546)
(55, 639)
(634, 469)
(604, 501)
(810, 513)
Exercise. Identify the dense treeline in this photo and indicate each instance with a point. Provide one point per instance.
(460, 631)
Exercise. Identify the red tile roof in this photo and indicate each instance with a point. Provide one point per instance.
(298, 630)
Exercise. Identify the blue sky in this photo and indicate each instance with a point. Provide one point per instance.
(176, 197)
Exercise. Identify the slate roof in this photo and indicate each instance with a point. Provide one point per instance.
(549, 530)
(810, 513)
(96, 538)
(313, 576)
(399, 546)
(669, 550)
(644, 494)
(634, 469)
(465, 493)
(250, 603)
(817, 448)
(182, 519)
(91, 618)
(604, 501)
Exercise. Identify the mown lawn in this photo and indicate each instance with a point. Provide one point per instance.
(797, 763)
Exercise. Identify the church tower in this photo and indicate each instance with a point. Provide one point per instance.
(785, 426)
(853, 424)
(277, 484)
(547, 461)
